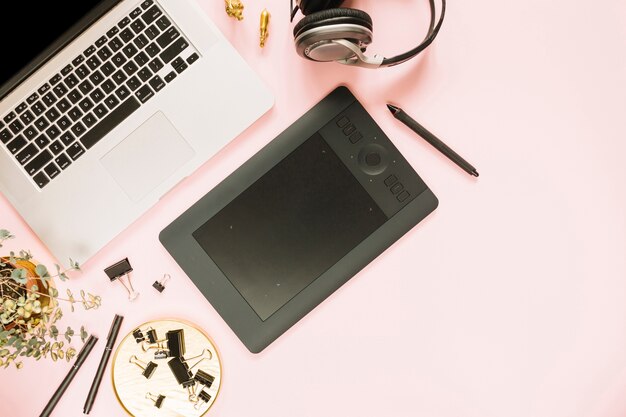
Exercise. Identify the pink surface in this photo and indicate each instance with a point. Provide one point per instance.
(508, 301)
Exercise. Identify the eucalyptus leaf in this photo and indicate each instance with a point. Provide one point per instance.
(41, 271)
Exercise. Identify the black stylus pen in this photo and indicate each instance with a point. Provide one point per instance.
(93, 391)
(399, 114)
(82, 355)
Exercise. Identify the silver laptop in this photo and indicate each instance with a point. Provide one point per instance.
(107, 106)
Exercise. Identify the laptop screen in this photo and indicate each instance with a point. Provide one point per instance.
(40, 25)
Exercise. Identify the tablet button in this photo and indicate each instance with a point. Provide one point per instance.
(343, 122)
(348, 130)
(397, 188)
(372, 159)
(355, 137)
(391, 180)
(403, 196)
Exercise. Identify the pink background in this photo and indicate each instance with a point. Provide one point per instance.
(508, 301)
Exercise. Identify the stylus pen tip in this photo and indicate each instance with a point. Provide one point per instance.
(393, 109)
(475, 173)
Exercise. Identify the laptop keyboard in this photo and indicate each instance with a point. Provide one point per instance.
(65, 117)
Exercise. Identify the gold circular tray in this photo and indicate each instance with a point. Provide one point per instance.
(131, 386)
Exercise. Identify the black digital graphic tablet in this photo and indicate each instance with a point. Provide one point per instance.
(298, 220)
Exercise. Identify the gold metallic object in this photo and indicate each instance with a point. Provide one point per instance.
(234, 8)
(265, 22)
(130, 386)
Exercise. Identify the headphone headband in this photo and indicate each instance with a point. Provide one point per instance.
(359, 59)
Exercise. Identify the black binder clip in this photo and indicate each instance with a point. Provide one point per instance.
(157, 399)
(173, 346)
(148, 368)
(160, 285)
(205, 397)
(139, 336)
(204, 379)
(182, 372)
(120, 270)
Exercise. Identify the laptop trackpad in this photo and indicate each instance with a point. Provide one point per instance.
(147, 157)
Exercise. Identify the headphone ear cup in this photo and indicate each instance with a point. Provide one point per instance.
(333, 17)
(311, 6)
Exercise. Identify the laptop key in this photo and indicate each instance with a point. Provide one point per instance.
(133, 83)
(27, 117)
(144, 93)
(141, 59)
(85, 87)
(86, 104)
(112, 32)
(52, 170)
(93, 63)
(104, 53)
(53, 114)
(64, 123)
(77, 61)
(153, 50)
(138, 26)
(157, 83)
(130, 68)
(155, 65)
(118, 59)
(9, 117)
(129, 50)
(75, 114)
(49, 99)
(163, 23)
(30, 132)
(152, 32)
(71, 81)
(115, 44)
(60, 90)
(16, 144)
(74, 96)
(122, 92)
(41, 123)
(63, 161)
(56, 147)
(135, 13)
(97, 95)
(38, 162)
(174, 50)
(177, 62)
(147, 3)
(78, 129)
(75, 151)
(101, 41)
(67, 138)
(124, 22)
(192, 58)
(27, 153)
(43, 89)
(53, 132)
(82, 71)
(89, 51)
(141, 41)
(41, 180)
(127, 35)
(144, 74)
(5, 135)
(151, 14)
(119, 77)
(100, 110)
(108, 69)
(109, 122)
(96, 77)
(55, 80)
(108, 86)
(170, 77)
(89, 120)
(20, 109)
(16, 126)
(66, 70)
(38, 108)
(32, 98)
(111, 101)
(168, 37)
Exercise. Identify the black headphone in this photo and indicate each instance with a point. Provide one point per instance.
(329, 33)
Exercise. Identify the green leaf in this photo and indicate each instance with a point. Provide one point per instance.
(54, 293)
(19, 275)
(54, 332)
(41, 271)
(83, 334)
